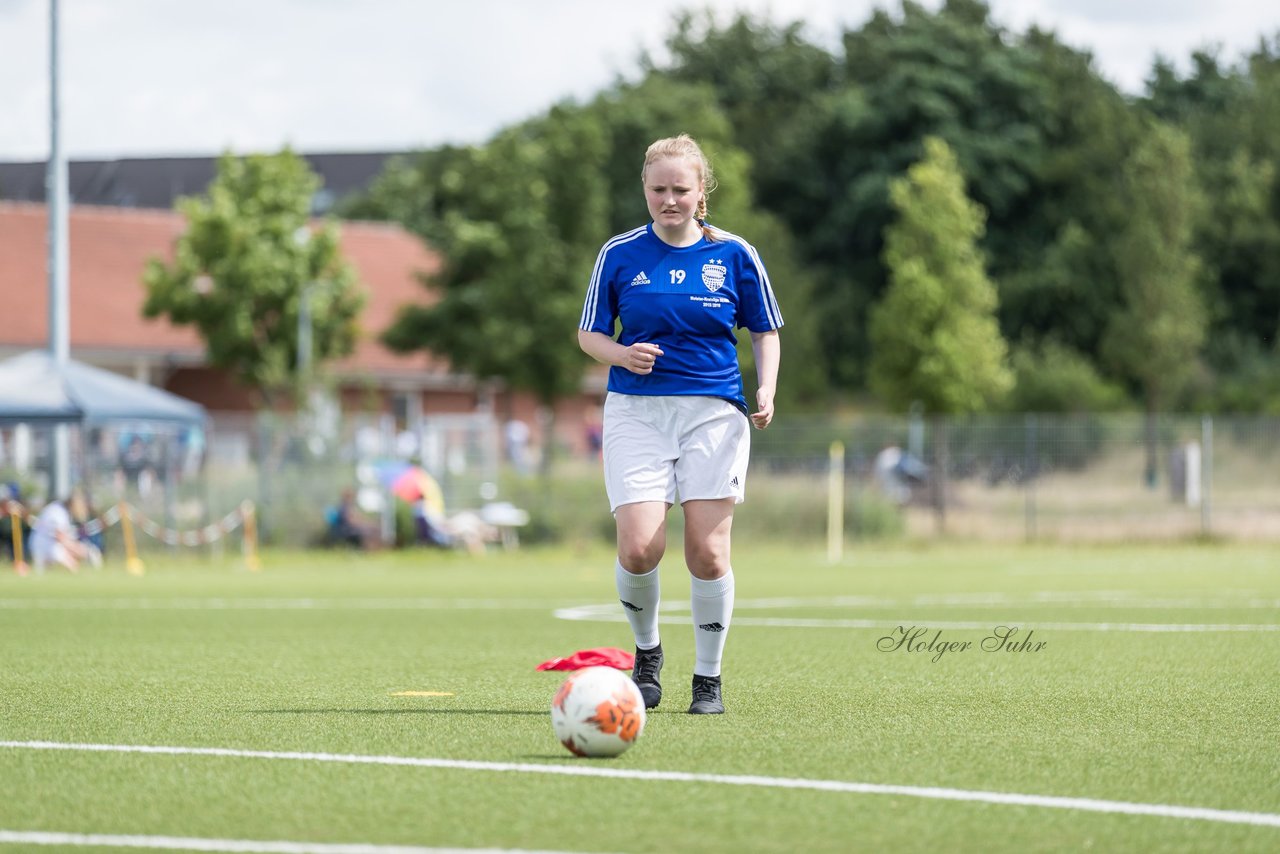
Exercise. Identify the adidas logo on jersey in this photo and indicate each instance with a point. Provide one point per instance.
(640, 279)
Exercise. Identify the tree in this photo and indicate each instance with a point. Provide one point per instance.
(243, 267)
(1231, 115)
(953, 74)
(1050, 377)
(1056, 275)
(407, 191)
(1156, 338)
(934, 335)
(764, 76)
(518, 222)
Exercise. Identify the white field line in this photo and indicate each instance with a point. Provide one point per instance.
(1095, 598)
(785, 622)
(256, 604)
(185, 843)
(610, 612)
(580, 770)
(1099, 598)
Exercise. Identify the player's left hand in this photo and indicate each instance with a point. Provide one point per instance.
(764, 409)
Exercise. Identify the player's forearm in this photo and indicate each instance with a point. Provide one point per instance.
(601, 347)
(767, 348)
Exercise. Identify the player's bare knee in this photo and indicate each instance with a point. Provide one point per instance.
(638, 555)
(707, 561)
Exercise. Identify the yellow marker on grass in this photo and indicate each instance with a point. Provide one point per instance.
(19, 559)
(132, 563)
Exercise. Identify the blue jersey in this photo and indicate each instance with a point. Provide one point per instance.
(688, 300)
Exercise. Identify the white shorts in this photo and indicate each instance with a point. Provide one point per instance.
(54, 552)
(655, 447)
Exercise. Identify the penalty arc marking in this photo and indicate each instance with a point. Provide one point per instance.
(840, 786)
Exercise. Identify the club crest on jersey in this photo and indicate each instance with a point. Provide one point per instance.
(713, 274)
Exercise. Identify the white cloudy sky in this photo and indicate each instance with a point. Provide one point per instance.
(151, 77)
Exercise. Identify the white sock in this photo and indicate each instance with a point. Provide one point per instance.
(712, 606)
(639, 595)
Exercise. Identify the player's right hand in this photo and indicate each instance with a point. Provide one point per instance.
(640, 357)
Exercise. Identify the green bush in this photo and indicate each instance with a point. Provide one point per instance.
(791, 509)
(569, 507)
(1056, 378)
(1245, 378)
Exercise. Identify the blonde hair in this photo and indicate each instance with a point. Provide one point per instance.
(687, 147)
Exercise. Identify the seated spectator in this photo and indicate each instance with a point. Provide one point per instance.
(435, 527)
(82, 516)
(431, 526)
(466, 530)
(343, 526)
(54, 539)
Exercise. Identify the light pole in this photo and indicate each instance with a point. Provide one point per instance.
(304, 332)
(302, 237)
(56, 198)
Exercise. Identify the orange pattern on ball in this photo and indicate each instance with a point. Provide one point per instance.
(618, 715)
(563, 694)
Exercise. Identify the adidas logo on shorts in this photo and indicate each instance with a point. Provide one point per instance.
(640, 279)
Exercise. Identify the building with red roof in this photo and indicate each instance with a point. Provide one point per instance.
(109, 250)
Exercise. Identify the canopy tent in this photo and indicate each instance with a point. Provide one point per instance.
(35, 389)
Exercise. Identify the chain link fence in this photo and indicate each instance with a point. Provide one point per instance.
(1069, 478)
(1085, 478)
(293, 470)
(296, 469)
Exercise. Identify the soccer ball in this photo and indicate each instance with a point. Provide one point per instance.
(598, 711)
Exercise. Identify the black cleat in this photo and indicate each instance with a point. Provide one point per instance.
(706, 696)
(645, 674)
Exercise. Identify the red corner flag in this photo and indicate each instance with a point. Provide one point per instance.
(606, 656)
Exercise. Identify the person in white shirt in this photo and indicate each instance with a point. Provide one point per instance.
(54, 539)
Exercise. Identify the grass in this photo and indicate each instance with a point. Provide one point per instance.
(180, 658)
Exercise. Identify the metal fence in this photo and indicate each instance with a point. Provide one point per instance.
(295, 469)
(292, 469)
(1086, 478)
(1069, 478)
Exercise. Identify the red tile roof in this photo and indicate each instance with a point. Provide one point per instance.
(109, 248)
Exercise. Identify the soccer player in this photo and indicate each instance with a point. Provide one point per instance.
(675, 418)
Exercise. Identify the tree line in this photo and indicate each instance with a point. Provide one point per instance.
(951, 212)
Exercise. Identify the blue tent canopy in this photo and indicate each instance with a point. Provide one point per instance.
(35, 389)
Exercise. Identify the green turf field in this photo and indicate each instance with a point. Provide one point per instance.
(1154, 697)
